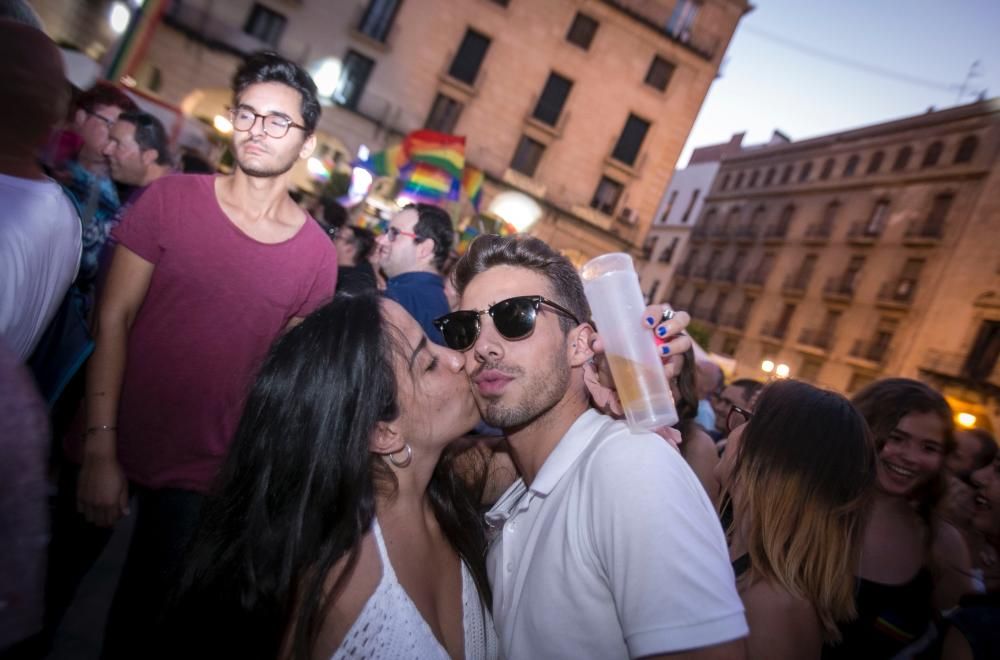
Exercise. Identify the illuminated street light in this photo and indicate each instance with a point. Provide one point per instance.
(516, 208)
(119, 17)
(326, 76)
(767, 366)
(222, 124)
(966, 420)
(782, 371)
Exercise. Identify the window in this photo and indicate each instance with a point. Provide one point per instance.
(859, 381)
(829, 215)
(809, 369)
(353, 78)
(725, 182)
(582, 30)
(720, 304)
(853, 270)
(932, 155)
(876, 222)
(690, 207)
(806, 269)
(502, 3)
(739, 181)
(630, 140)
(966, 149)
(769, 177)
(804, 173)
(758, 216)
(934, 225)
(902, 159)
(668, 253)
(732, 219)
(982, 358)
(527, 155)
(265, 24)
(659, 73)
(786, 175)
(377, 19)
(465, 66)
(785, 219)
(908, 278)
(444, 114)
(550, 103)
(681, 20)
(787, 312)
(875, 164)
(670, 206)
(827, 170)
(607, 195)
(752, 183)
(729, 345)
(852, 165)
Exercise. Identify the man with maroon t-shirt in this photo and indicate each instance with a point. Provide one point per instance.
(207, 272)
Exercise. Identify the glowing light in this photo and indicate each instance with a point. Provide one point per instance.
(966, 420)
(782, 371)
(364, 152)
(326, 76)
(222, 124)
(128, 81)
(516, 208)
(317, 168)
(403, 200)
(119, 17)
(767, 366)
(361, 182)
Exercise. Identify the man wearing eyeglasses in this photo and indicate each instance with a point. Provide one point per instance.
(412, 254)
(607, 546)
(207, 272)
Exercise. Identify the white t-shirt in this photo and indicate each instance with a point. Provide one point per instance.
(39, 256)
(613, 552)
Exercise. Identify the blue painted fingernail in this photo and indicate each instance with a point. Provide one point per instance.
(664, 350)
(661, 331)
(650, 320)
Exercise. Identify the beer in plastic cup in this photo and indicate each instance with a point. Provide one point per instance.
(616, 303)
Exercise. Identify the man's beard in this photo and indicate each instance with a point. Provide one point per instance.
(264, 173)
(539, 396)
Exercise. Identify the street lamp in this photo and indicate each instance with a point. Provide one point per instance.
(222, 124)
(782, 371)
(965, 420)
(767, 366)
(119, 17)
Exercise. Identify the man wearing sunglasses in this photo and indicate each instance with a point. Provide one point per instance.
(607, 547)
(207, 272)
(412, 253)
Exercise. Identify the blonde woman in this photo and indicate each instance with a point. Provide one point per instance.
(798, 472)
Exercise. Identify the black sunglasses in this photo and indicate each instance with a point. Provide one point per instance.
(514, 318)
(742, 417)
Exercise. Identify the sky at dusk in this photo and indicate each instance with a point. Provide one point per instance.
(812, 67)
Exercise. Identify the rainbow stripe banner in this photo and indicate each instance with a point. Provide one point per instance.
(446, 152)
(388, 162)
(506, 229)
(136, 39)
(472, 185)
(466, 238)
(427, 183)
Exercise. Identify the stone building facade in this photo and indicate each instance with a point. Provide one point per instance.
(858, 255)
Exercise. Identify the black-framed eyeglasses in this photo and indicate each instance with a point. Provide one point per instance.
(737, 417)
(514, 318)
(96, 115)
(274, 126)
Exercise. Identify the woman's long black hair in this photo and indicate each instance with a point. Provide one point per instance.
(297, 492)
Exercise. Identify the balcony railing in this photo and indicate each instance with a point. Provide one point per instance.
(702, 272)
(839, 287)
(737, 320)
(699, 233)
(685, 269)
(719, 233)
(757, 277)
(870, 351)
(817, 233)
(898, 293)
(796, 283)
(923, 233)
(746, 233)
(774, 329)
(817, 338)
(775, 234)
(862, 233)
(728, 274)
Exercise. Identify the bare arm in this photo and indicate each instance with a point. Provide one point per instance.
(734, 650)
(951, 567)
(102, 495)
(782, 627)
(700, 453)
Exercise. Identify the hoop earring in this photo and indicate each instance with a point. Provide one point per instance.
(406, 461)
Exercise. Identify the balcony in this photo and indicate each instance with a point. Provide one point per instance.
(897, 295)
(862, 233)
(666, 256)
(684, 270)
(719, 234)
(923, 234)
(746, 234)
(737, 321)
(795, 284)
(704, 45)
(702, 272)
(647, 252)
(817, 234)
(757, 278)
(701, 312)
(699, 234)
(728, 274)
(204, 26)
(775, 234)
(954, 365)
(815, 338)
(839, 289)
(774, 330)
(869, 353)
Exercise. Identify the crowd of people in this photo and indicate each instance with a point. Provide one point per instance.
(342, 445)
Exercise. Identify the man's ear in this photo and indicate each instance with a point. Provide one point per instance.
(386, 439)
(578, 345)
(308, 147)
(148, 157)
(79, 117)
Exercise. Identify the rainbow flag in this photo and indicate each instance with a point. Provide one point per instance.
(136, 39)
(506, 229)
(387, 162)
(427, 183)
(466, 237)
(472, 185)
(446, 152)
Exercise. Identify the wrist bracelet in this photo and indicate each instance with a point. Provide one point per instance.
(101, 427)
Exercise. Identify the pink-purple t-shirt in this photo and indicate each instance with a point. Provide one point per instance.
(216, 301)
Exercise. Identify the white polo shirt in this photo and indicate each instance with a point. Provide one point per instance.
(614, 552)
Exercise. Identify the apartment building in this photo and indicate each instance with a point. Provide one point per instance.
(582, 105)
(862, 254)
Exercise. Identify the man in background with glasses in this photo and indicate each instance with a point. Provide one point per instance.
(412, 253)
(207, 272)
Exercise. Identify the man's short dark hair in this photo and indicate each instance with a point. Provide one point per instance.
(362, 239)
(267, 66)
(489, 250)
(749, 386)
(150, 134)
(334, 214)
(987, 447)
(104, 93)
(434, 223)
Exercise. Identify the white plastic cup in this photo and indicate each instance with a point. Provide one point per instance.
(616, 302)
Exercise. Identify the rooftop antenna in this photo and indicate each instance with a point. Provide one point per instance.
(964, 89)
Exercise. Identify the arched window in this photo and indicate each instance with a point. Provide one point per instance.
(739, 181)
(725, 183)
(966, 149)
(806, 170)
(827, 169)
(852, 165)
(786, 175)
(875, 164)
(785, 219)
(902, 159)
(769, 177)
(753, 179)
(932, 155)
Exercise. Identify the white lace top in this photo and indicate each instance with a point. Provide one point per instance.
(390, 625)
